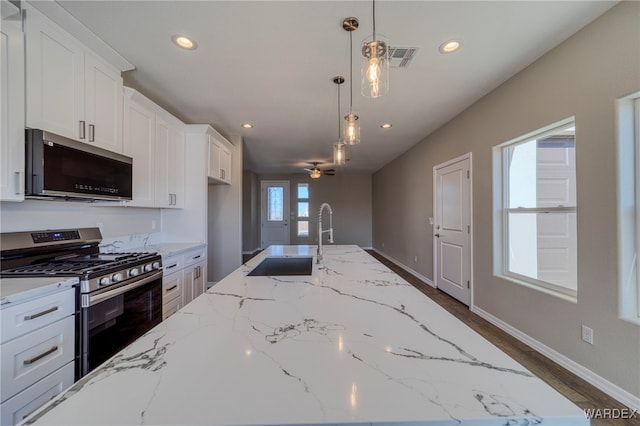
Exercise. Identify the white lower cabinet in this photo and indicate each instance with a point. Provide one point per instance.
(17, 408)
(172, 285)
(36, 353)
(185, 278)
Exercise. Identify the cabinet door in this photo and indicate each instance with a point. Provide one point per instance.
(170, 148)
(139, 143)
(162, 195)
(12, 128)
(176, 165)
(200, 285)
(225, 164)
(214, 159)
(55, 80)
(190, 278)
(103, 104)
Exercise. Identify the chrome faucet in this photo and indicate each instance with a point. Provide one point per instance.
(320, 231)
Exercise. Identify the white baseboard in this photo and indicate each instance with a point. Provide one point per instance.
(599, 382)
(406, 268)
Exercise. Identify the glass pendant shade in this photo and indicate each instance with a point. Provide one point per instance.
(375, 66)
(351, 129)
(339, 154)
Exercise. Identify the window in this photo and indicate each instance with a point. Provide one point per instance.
(275, 212)
(303, 210)
(535, 187)
(628, 115)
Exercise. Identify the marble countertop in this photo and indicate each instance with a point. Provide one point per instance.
(170, 249)
(17, 289)
(352, 343)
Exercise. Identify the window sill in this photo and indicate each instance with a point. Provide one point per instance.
(559, 295)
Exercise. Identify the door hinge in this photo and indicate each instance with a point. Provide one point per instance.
(468, 174)
(468, 285)
(468, 229)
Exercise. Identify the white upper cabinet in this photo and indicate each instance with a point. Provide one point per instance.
(139, 144)
(170, 157)
(12, 107)
(70, 91)
(156, 141)
(220, 151)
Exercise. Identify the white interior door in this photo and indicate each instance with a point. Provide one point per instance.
(274, 213)
(452, 227)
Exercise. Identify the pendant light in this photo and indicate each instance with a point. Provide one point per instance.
(339, 148)
(352, 126)
(375, 69)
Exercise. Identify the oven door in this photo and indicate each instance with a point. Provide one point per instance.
(116, 317)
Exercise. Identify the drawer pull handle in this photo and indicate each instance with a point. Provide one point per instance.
(197, 257)
(172, 288)
(38, 357)
(171, 266)
(39, 314)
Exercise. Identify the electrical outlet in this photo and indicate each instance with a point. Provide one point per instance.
(415, 259)
(587, 334)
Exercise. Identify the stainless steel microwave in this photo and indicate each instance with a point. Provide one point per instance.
(58, 167)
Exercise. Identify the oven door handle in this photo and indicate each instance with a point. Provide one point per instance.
(93, 299)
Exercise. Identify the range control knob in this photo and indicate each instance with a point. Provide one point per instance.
(148, 267)
(117, 277)
(133, 272)
(155, 265)
(104, 281)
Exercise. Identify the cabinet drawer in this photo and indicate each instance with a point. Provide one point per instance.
(172, 264)
(195, 256)
(172, 286)
(29, 358)
(25, 317)
(16, 409)
(171, 307)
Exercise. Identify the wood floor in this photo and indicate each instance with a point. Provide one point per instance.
(574, 388)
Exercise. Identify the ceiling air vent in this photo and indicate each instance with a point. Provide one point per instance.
(399, 57)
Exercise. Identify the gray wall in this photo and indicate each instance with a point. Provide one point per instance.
(583, 77)
(250, 212)
(224, 225)
(349, 196)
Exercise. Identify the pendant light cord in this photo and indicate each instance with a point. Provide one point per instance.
(351, 71)
(374, 20)
(339, 118)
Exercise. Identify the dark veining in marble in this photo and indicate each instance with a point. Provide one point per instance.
(459, 349)
(151, 359)
(242, 298)
(473, 363)
(496, 406)
(294, 330)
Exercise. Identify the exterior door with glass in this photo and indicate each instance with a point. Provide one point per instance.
(274, 213)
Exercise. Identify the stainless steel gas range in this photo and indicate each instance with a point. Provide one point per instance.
(119, 297)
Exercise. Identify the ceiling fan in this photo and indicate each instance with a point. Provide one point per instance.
(315, 172)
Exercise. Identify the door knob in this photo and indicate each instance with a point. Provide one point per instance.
(437, 235)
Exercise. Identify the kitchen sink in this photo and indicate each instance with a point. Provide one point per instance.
(279, 266)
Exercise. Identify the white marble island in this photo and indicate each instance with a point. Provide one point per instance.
(352, 343)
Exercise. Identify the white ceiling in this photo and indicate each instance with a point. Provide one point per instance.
(271, 63)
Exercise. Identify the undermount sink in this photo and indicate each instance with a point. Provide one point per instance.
(280, 266)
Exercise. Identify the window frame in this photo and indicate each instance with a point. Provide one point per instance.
(502, 211)
(300, 219)
(628, 205)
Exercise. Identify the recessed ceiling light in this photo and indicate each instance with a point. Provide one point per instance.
(184, 42)
(386, 126)
(247, 125)
(449, 46)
